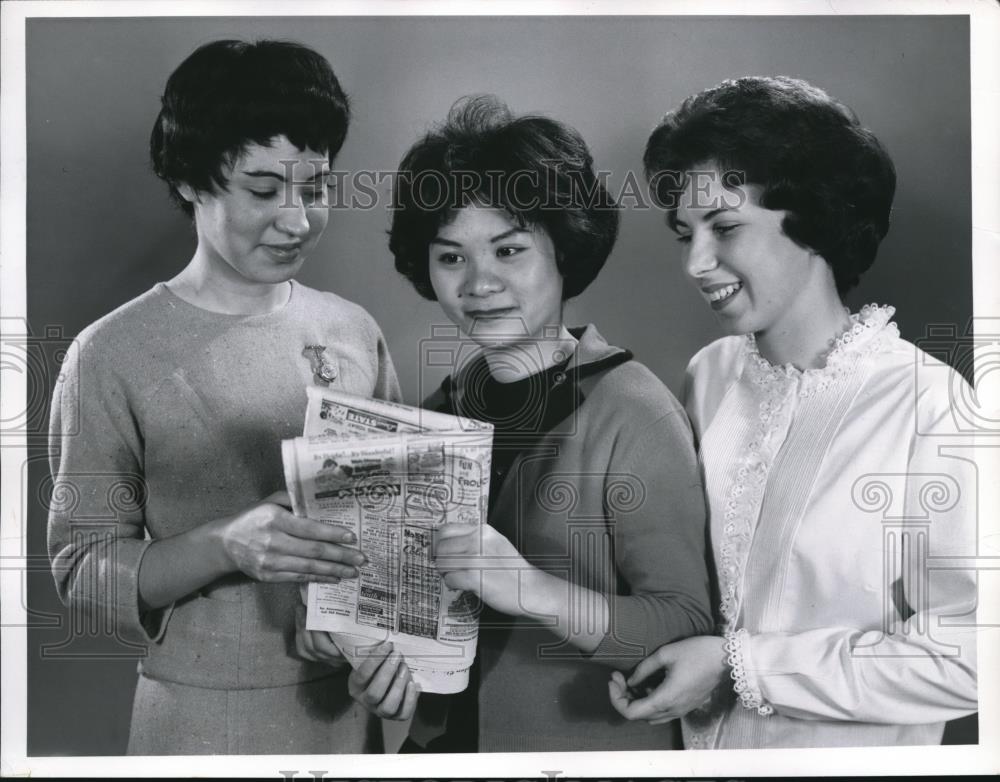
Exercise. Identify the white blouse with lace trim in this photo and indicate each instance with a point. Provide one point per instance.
(798, 561)
(871, 331)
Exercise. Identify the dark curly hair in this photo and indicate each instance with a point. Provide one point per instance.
(807, 151)
(537, 170)
(228, 94)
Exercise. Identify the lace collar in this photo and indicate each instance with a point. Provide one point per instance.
(870, 332)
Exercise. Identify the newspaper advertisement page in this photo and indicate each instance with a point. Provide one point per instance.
(392, 490)
(345, 416)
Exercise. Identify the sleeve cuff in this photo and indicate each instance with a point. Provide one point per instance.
(745, 685)
(627, 633)
(137, 626)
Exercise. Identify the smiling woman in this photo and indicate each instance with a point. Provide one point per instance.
(259, 230)
(500, 283)
(183, 396)
(594, 548)
(756, 279)
(833, 628)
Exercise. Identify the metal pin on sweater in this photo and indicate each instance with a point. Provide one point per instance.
(321, 367)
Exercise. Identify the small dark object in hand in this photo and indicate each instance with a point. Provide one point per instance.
(647, 685)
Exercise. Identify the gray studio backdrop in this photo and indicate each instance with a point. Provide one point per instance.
(101, 231)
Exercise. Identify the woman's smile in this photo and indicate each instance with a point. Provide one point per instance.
(491, 313)
(745, 267)
(284, 253)
(496, 280)
(721, 294)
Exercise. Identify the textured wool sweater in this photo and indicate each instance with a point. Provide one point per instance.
(169, 416)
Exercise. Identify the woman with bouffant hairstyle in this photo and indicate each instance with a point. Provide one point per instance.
(594, 551)
(807, 153)
(538, 170)
(821, 446)
(185, 393)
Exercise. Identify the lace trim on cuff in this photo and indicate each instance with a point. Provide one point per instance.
(750, 697)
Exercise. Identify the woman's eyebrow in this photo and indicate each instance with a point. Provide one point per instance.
(674, 222)
(265, 173)
(497, 238)
(709, 215)
(508, 234)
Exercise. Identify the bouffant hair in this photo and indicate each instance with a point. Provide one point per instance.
(808, 152)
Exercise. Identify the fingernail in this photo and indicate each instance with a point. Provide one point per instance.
(350, 538)
(358, 558)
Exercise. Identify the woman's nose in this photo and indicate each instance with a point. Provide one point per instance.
(292, 217)
(701, 256)
(481, 279)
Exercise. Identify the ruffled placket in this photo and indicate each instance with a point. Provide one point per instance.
(778, 388)
(777, 393)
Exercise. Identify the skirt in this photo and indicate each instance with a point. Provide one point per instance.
(311, 718)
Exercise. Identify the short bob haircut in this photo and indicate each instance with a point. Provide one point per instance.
(229, 94)
(807, 151)
(537, 170)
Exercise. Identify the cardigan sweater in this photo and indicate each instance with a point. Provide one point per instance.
(609, 497)
(843, 523)
(169, 416)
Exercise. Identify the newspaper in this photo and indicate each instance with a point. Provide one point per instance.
(391, 474)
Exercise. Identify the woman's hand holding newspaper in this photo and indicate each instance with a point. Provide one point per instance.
(269, 543)
(479, 559)
(316, 645)
(383, 684)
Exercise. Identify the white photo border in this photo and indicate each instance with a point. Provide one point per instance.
(985, 108)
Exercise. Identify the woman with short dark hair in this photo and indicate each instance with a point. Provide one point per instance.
(594, 552)
(819, 440)
(228, 94)
(807, 153)
(172, 411)
(537, 169)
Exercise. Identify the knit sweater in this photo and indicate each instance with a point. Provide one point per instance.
(610, 498)
(169, 416)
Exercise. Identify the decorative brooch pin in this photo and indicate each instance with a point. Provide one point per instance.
(321, 367)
